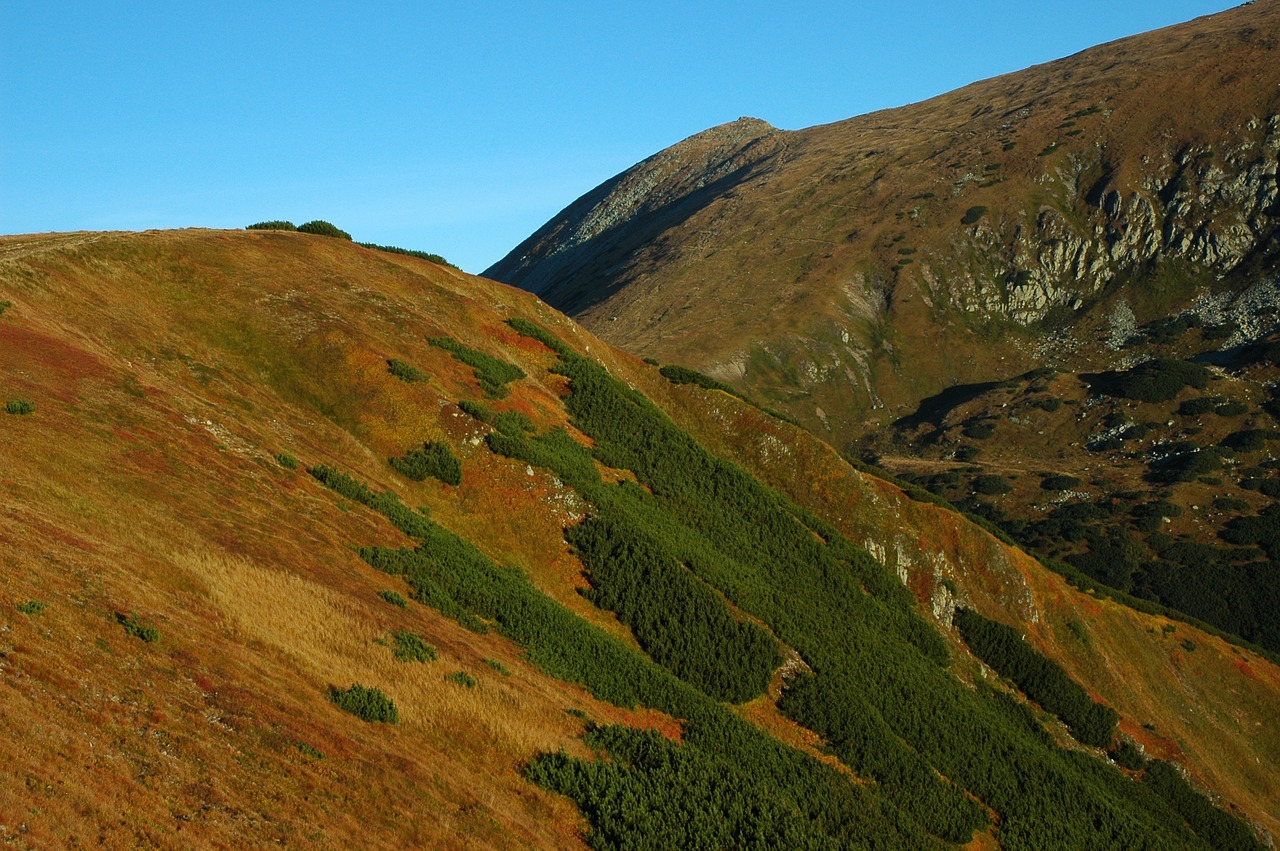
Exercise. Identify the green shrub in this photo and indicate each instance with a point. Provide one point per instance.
(498, 666)
(319, 227)
(1232, 408)
(1218, 827)
(275, 224)
(965, 454)
(434, 459)
(1229, 503)
(284, 459)
(1038, 677)
(973, 214)
(405, 372)
(1200, 405)
(1250, 439)
(19, 407)
(411, 648)
(422, 255)
(990, 485)
(32, 607)
(1157, 508)
(683, 375)
(1060, 482)
(980, 429)
(1049, 403)
(461, 678)
(366, 703)
(1186, 467)
(1128, 754)
(1156, 380)
(137, 628)
(395, 598)
(5, 305)
(309, 750)
(492, 373)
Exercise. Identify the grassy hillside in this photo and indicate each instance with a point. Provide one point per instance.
(207, 544)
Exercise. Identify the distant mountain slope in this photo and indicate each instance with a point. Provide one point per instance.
(227, 499)
(847, 271)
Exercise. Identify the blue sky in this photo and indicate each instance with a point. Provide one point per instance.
(456, 128)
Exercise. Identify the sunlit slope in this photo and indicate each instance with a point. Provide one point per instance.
(167, 371)
(844, 272)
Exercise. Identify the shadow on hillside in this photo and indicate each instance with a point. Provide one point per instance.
(933, 409)
(574, 279)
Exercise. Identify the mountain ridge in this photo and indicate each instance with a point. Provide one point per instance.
(811, 283)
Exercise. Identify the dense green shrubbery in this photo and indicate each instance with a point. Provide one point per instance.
(973, 214)
(1217, 827)
(1156, 380)
(1038, 677)
(677, 619)
(555, 450)
(32, 607)
(871, 654)
(275, 224)
(434, 459)
(366, 703)
(319, 227)
(406, 372)
(19, 407)
(492, 373)
(5, 305)
(652, 793)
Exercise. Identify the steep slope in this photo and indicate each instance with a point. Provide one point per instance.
(203, 595)
(845, 272)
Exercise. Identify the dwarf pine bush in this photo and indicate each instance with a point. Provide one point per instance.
(366, 703)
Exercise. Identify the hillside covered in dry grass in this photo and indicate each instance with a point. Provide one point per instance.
(231, 532)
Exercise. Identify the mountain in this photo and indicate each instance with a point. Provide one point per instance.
(846, 272)
(310, 543)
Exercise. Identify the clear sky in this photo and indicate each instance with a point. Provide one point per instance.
(457, 128)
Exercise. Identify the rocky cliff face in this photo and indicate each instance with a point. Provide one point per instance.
(845, 272)
(1212, 207)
